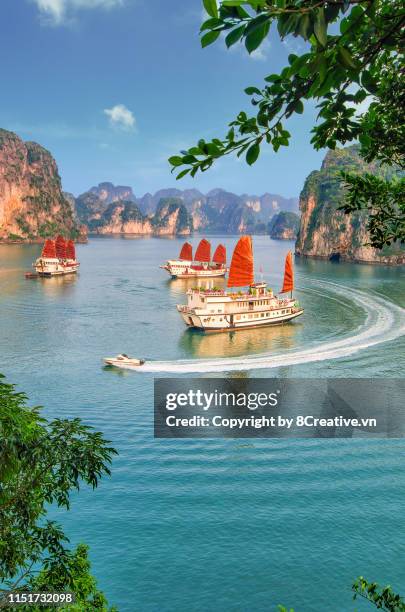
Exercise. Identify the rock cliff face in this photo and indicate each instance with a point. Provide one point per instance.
(328, 233)
(217, 211)
(122, 217)
(107, 192)
(32, 204)
(284, 226)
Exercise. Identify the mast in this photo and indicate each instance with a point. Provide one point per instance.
(241, 273)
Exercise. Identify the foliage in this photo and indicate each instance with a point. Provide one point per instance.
(353, 56)
(78, 579)
(41, 463)
(386, 223)
(382, 597)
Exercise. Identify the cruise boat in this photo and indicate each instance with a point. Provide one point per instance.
(256, 306)
(202, 266)
(58, 257)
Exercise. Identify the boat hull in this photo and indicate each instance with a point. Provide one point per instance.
(228, 323)
(184, 269)
(54, 267)
(200, 274)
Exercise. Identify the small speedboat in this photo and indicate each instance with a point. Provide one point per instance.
(123, 360)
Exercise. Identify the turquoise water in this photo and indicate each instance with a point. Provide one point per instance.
(192, 525)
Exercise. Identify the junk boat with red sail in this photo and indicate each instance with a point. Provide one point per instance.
(58, 257)
(201, 266)
(212, 310)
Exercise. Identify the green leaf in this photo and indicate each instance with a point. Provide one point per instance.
(250, 91)
(195, 151)
(272, 78)
(234, 36)
(299, 107)
(176, 160)
(182, 173)
(209, 38)
(255, 38)
(211, 7)
(305, 27)
(253, 153)
(320, 29)
(346, 58)
(210, 24)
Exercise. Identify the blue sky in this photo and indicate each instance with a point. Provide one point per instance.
(114, 87)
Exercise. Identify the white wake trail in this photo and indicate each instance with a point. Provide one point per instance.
(384, 321)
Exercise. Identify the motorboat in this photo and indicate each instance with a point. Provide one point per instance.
(123, 360)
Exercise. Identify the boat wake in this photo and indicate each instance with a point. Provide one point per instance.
(384, 321)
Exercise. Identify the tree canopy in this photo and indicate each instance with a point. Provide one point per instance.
(41, 463)
(353, 56)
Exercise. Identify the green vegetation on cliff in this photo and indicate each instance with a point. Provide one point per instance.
(32, 203)
(284, 226)
(325, 230)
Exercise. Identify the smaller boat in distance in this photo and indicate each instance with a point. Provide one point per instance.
(123, 360)
(201, 266)
(256, 306)
(58, 257)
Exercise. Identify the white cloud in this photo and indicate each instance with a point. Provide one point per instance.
(120, 116)
(57, 12)
(260, 55)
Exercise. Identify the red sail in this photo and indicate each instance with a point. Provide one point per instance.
(186, 252)
(241, 272)
(70, 250)
(203, 252)
(60, 245)
(220, 254)
(49, 249)
(288, 284)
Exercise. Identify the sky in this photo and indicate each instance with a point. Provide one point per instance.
(114, 87)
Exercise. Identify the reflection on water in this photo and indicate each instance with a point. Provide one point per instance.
(240, 342)
(57, 285)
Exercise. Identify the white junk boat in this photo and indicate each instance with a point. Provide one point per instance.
(58, 257)
(212, 310)
(201, 266)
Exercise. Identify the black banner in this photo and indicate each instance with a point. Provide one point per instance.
(276, 408)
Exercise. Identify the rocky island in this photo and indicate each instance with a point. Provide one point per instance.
(328, 233)
(32, 204)
(284, 226)
(113, 215)
(110, 209)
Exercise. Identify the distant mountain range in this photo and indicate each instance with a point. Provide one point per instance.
(216, 211)
(33, 207)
